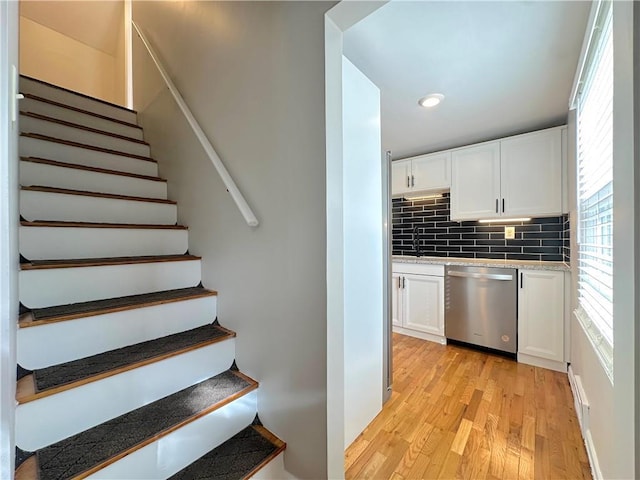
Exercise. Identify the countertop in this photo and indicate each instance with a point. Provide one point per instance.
(483, 262)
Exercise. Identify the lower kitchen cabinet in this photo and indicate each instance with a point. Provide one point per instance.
(541, 318)
(418, 301)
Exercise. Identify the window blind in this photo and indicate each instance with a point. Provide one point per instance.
(595, 186)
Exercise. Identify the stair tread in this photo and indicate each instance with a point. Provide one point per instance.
(68, 191)
(87, 168)
(80, 110)
(81, 127)
(86, 146)
(53, 85)
(40, 223)
(239, 457)
(53, 379)
(95, 262)
(98, 307)
(97, 447)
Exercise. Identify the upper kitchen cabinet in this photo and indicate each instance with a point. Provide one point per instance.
(425, 173)
(514, 177)
(475, 182)
(531, 174)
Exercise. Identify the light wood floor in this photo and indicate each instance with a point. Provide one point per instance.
(458, 413)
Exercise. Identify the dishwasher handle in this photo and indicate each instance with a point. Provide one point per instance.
(481, 276)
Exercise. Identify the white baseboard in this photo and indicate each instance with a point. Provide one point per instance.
(593, 457)
(581, 405)
(542, 362)
(423, 335)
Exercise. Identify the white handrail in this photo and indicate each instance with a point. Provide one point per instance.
(242, 204)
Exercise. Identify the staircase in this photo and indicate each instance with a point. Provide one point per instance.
(123, 369)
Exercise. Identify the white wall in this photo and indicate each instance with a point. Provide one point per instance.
(613, 408)
(8, 236)
(253, 75)
(363, 256)
(56, 58)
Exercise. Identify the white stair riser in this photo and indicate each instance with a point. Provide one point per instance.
(57, 243)
(272, 470)
(45, 175)
(64, 132)
(74, 100)
(35, 106)
(34, 147)
(77, 338)
(62, 286)
(61, 207)
(170, 454)
(50, 419)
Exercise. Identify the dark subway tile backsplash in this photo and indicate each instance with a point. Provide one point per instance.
(539, 239)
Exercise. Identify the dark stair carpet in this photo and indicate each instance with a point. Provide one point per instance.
(120, 302)
(232, 460)
(79, 453)
(75, 370)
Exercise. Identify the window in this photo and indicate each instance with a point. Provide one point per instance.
(594, 103)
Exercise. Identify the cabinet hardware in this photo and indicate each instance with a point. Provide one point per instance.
(496, 205)
(413, 181)
(403, 282)
(399, 283)
(408, 183)
(521, 279)
(503, 205)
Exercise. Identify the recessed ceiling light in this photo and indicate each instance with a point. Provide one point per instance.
(431, 100)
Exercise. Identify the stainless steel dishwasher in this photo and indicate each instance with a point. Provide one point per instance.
(481, 306)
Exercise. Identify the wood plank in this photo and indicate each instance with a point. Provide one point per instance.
(29, 470)
(43, 224)
(466, 414)
(101, 262)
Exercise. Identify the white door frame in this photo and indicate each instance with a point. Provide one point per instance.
(9, 262)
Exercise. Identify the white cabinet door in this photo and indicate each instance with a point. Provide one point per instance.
(541, 314)
(400, 177)
(423, 305)
(431, 172)
(531, 174)
(396, 299)
(475, 182)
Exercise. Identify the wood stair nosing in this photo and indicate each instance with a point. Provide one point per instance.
(26, 386)
(66, 123)
(29, 469)
(114, 196)
(46, 138)
(41, 223)
(75, 166)
(99, 100)
(103, 262)
(280, 447)
(79, 110)
(27, 320)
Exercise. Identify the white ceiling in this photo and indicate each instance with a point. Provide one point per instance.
(504, 67)
(94, 23)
